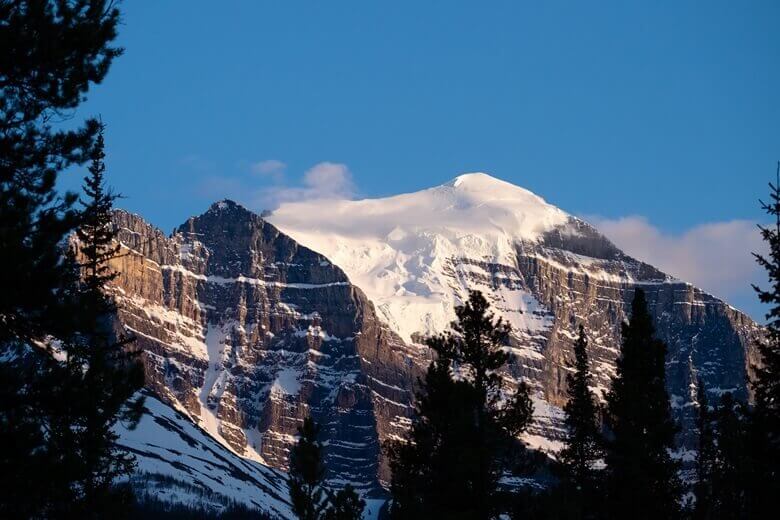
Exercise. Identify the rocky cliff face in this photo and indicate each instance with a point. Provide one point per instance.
(707, 339)
(248, 332)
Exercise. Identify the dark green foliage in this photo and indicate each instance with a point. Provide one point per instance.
(765, 420)
(583, 436)
(732, 467)
(307, 473)
(346, 504)
(722, 467)
(706, 457)
(97, 236)
(51, 52)
(22, 456)
(104, 373)
(642, 480)
(463, 438)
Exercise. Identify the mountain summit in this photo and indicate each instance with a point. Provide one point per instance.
(412, 253)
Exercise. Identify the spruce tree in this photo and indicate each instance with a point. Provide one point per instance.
(730, 475)
(307, 473)
(463, 437)
(765, 419)
(40, 81)
(107, 372)
(706, 457)
(51, 53)
(583, 436)
(346, 504)
(642, 480)
(97, 238)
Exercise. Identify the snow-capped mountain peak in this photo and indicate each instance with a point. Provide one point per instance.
(409, 252)
(485, 186)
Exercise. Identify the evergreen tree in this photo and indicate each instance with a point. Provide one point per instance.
(39, 82)
(310, 499)
(463, 437)
(346, 504)
(307, 473)
(97, 239)
(730, 474)
(106, 373)
(583, 435)
(705, 458)
(642, 480)
(765, 420)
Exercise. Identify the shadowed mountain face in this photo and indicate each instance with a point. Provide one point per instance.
(248, 331)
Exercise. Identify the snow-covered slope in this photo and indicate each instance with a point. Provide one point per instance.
(181, 463)
(399, 249)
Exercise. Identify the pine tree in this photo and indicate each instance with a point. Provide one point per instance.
(765, 419)
(463, 436)
(40, 81)
(346, 504)
(106, 373)
(642, 480)
(583, 435)
(705, 457)
(307, 473)
(97, 238)
(731, 471)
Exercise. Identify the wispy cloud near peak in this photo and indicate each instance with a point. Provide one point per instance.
(715, 256)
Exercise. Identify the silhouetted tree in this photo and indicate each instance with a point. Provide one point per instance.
(346, 504)
(706, 457)
(106, 374)
(51, 53)
(463, 437)
(642, 479)
(730, 476)
(583, 435)
(764, 487)
(310, 499)
(307, 473)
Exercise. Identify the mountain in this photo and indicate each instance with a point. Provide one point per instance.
(247, 332)
(416, 255)
(249, 324)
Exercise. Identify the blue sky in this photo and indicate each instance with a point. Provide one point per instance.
(656, 114)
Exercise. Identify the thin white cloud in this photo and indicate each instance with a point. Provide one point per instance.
(331, 179)
(270, 168)
(325, 180)
(714, 256)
